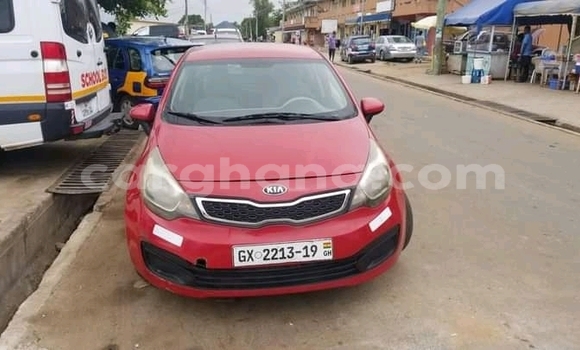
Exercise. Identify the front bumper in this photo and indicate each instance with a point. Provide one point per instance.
(202, 266)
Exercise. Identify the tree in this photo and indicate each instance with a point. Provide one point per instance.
(194, 20)
(262, 10)
(126, 10)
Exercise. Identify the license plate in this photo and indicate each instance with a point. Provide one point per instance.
(87, 109)
(280, 253)
(363, 47)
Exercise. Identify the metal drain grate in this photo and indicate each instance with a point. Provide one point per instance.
(92, 175)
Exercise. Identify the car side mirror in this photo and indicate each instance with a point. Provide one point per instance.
(370, 107)
(144, 114)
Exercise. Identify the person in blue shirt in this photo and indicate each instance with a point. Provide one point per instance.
(526, 54)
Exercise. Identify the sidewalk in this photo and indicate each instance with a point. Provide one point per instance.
(554, 107)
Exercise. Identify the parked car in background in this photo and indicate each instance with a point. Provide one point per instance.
(395, 47)
(357, 48)
(139, 68)
(216, 38)
(165, 30)
(225, 234)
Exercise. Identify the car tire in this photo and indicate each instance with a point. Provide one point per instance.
(125, 104)
(350, 60)
(382, 56)
(373, 59)
(409, 222)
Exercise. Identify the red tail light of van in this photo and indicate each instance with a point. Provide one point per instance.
(56, 73)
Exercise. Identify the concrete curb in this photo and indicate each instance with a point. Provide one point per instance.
(492, 106)
(17, 335)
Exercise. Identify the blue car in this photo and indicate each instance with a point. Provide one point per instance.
(139, 68)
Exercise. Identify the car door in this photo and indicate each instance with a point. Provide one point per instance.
(117, 65)
(79, 38)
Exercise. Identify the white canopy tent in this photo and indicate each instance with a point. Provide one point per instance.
(431, 22)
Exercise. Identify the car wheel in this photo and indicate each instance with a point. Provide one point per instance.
(125, 105)
(409, 222)
(350, 60)
(373, 59)
(382, 56)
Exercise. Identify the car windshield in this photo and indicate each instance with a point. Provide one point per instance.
(221, 89)
(164, 59)
(399, 40)
(213, 40)
(361, 41)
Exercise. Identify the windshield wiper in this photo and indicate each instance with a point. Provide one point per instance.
(193, 117)
(280, 116)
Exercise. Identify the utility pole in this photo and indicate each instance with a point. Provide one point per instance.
(438, 53)
(362, 15)
(186, 24)
(256, 25)
(205, 14)
(283, 18)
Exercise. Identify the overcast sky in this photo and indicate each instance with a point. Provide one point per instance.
(220, 10)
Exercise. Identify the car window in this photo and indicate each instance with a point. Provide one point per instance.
(6, 16)
(361, 41)
(75, 17)
(120, 61)
(135, 63)
(111, 55)
(399, 40)
(164, 59)
(95, 19)
(235, 88)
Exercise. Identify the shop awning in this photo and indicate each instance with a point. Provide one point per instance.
(376, 17)
(484, 13)
(547, 12)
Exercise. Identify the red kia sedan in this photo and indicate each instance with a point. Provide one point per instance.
(261, 176)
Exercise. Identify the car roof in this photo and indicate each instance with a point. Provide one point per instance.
(148, 41)
(359, 36)
(216, 36)
(252, 50)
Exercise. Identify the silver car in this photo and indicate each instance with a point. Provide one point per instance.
(395, 47)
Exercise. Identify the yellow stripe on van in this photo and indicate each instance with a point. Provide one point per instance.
(91, 90)
(22, 99)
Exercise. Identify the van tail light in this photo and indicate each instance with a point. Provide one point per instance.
(57, 83)
(156, 83)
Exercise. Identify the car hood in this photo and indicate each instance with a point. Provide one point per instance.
(334, 148)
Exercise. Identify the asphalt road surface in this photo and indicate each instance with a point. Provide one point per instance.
(494, 268)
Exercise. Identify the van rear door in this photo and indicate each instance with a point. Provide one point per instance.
(20, 62)
(82, 34)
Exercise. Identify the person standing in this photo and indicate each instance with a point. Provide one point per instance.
(331, 46)
(526, 54)
(420, 44)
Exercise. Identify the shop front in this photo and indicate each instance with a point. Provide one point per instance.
(371, 24)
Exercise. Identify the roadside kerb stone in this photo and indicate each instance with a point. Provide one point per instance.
(490, 105)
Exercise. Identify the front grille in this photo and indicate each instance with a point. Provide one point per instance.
(173, 268)
(246, 212)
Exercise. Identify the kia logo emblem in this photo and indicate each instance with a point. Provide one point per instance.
(275, 190)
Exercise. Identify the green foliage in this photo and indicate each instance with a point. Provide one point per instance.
(194, 20)
(126, 10)
(262, 9)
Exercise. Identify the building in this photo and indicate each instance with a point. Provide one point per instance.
(305, 19)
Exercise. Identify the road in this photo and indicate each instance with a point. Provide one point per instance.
(487, 268)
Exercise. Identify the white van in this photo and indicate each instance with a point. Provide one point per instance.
(53, 69)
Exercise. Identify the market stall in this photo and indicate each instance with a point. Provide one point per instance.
(488, 49)
(563, 65)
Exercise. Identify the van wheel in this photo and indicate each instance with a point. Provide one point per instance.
(409, 222)
(125, 105)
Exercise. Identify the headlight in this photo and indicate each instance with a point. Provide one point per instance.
(162, 194)
(376, 181)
